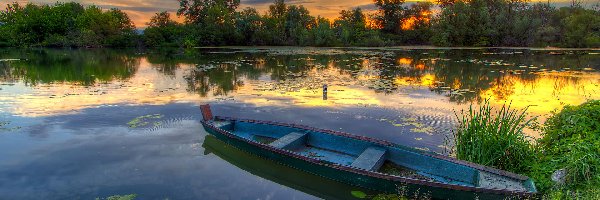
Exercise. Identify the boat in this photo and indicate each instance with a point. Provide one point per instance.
(366, 162)
(308, 183)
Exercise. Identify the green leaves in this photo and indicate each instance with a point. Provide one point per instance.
(63, 25)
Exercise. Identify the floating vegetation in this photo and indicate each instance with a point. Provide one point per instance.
(3, 127)
(144, 120)
(119, 197)
(418, 127)
(204, 68)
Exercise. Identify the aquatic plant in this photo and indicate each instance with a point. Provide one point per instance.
(494, 137)
(3, 126)
(142, 121)
(119, 197)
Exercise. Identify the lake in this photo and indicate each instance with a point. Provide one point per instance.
(87, 123)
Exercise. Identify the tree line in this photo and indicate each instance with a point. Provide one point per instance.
(221, 22)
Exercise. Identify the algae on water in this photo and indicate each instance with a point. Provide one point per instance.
(144, 120)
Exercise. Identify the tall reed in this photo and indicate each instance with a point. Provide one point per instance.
(494, 137)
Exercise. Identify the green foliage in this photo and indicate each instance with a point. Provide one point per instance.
(582, 27)
(323, 34)
(494, 137)
(64, 24)
(163, 31)
(571, 141)
(219, 22)
(591, 192)
(515, 23)
(351, 27)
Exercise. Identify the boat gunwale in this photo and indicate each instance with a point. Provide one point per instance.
(374, 174)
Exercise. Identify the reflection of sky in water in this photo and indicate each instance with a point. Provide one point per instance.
(67, 135)
(383, 79)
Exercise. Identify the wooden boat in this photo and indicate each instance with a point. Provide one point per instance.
(312, 184)
(366, 162)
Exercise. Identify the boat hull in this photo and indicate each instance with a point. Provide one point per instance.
(385, 184)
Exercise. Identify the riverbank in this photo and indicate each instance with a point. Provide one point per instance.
(410, 47)
(564, 163)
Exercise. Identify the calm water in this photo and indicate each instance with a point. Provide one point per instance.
(80, 124)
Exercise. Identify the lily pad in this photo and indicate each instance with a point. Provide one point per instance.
(359, 194)
(143, 120)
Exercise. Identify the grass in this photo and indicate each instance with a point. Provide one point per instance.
(494, 137)
(570, 141)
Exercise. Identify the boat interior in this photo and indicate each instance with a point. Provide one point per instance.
(390, 160)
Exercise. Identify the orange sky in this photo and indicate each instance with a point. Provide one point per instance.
(140, 11)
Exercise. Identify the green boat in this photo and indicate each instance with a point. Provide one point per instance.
(366, 162)
(290, 177)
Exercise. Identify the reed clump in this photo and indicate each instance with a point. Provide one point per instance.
(494, 137)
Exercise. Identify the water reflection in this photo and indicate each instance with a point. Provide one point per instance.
(43, 80)
(76, 67)
(66, 106)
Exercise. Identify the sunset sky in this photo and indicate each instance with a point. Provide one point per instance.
(140, 11)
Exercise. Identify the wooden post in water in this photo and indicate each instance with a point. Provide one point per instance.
(324, 91)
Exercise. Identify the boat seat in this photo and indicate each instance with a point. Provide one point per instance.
(290, 140)
(370, 159)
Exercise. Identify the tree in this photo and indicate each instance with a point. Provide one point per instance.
(323, 34)
(163, 31)
(197, 11)
(582, 27)
(351, 26)
(390, 14)
(211, 22)
(248, 25)
(297, 23)
(64, 24)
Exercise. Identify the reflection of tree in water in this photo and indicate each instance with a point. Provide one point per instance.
(460, 75)
(221, 73)
(503, 87)
(166, 61)
(83, 67)
(220, 81)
